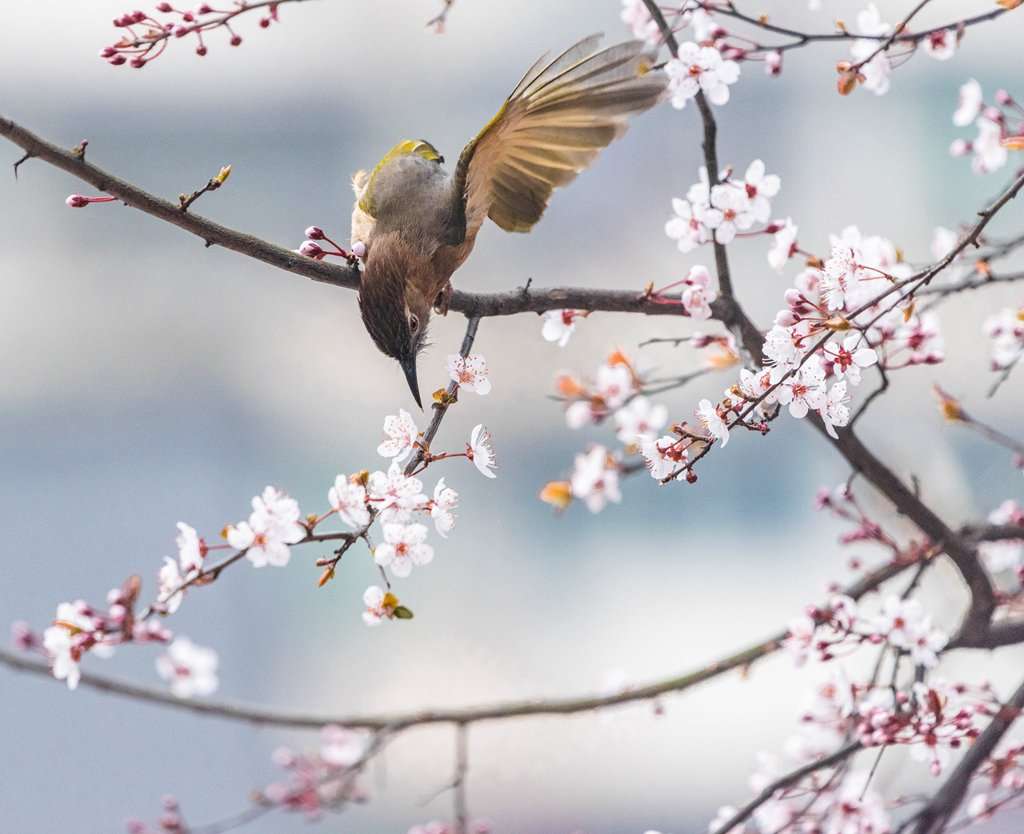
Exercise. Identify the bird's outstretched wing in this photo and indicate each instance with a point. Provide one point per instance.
(550, 128)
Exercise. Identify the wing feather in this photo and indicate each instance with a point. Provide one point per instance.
(555, 122)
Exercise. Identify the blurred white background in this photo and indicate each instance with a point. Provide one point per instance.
(145, 379)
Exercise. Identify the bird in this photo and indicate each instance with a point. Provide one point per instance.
(414, 223)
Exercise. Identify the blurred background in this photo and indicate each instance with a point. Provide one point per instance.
(146, 380)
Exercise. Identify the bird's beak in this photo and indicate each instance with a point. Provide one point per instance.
(409, 366)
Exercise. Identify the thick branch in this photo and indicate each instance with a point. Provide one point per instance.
(472, 305)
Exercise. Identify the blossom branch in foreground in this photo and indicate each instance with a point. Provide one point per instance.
(146, 37)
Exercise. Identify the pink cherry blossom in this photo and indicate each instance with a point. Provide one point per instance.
(640, 420)
(712, 422)
(698, 295)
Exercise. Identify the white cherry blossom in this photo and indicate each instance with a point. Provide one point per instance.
(639, 420)
(712, 422)
(402, 437)
(700, 68)
(595, 479)
(760, 188)
(481, 452)
(348, 499)
(469, 372)
(189, 669)
(404, 546)
(445, 501)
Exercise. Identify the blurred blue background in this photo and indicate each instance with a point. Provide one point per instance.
(147, 380)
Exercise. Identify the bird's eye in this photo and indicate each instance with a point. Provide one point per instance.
(414, 323)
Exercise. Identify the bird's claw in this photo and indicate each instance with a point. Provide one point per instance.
(443, 299)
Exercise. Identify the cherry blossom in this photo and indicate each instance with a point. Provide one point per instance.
(380, 605)
(481, 452)
(403, 547)
(941, 45)
(394, 495)
(760, 188)
(469, 372)
(191, 548)
(697, 296)
(341, 747)
(906, 626)
(785, 245)
(662, 457)
(876, 71)
(841, 278)
(559, 325)
(805, 390)
(1005, 329)
(729, 212)
(944, 241)
(595, 479)
(66, 640)
(348, 499)
(1007, 554)
(712, 422)
(170, 579)
(403, 435)
(700, 68)
(989, 153)
(639, 420)
(970, 104)
(272, 526)
(639, 20)
(445, 501)
(686, 228)
(850, 357)
(835, 410)
(189, 669)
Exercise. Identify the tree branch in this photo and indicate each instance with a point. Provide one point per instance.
(514, 709)
(472, 305)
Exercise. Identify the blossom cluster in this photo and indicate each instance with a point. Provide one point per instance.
(840, 627)
(720, 212)
(395, 497)
(1005, 331)
(145, 36)
(1000, 127)
(319, 781)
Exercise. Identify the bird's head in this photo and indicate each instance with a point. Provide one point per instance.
(394, 308)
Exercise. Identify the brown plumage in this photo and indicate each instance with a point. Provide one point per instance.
(419, 224)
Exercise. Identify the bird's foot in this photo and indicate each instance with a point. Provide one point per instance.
(444, 299)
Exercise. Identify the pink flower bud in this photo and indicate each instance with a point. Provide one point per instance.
(773, 63)
(311, 250)
(188, 17)
(169, 802)
(108, 52)
(77, 201)
(138, 62)
(786, 318)
(959, 147)
(315, 233)
(164, 7)
(993, 114)
(204, 8)
(359, 250)
(180, 31)
(200, 50)
(264, 22)
(22, 636)
(236, 40)
(1003, 98)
